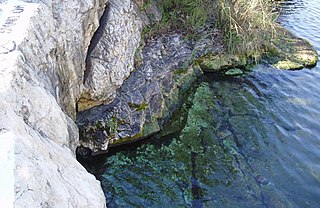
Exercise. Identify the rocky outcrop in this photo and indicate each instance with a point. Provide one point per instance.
(145, 100)
(111, 54)
(126, 111)
(286, 51)
(43, 46)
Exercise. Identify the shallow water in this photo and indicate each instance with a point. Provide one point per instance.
(251, 141)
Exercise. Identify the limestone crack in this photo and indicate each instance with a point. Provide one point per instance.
(95, 39)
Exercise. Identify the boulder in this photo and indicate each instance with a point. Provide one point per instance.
(43, 46)
(290, 52)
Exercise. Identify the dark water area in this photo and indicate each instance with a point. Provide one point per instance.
(249, 141)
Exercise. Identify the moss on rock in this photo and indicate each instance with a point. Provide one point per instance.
(129, 139)
(216, 63)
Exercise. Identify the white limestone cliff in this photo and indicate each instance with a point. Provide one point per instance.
(43, 45)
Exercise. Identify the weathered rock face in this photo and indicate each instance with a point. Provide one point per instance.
(42, 54)
(111, 54)
(63, 32)
(145, 100)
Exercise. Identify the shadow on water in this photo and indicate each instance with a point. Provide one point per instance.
(250, 141)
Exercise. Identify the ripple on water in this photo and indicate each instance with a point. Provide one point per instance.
(304, 21)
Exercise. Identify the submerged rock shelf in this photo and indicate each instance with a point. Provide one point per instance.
(235, 147)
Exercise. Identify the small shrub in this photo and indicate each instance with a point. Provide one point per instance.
(184, 15)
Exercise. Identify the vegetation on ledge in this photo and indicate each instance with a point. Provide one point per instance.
(248, 28)
(247, 25)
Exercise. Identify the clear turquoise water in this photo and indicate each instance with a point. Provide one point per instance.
(252, 141)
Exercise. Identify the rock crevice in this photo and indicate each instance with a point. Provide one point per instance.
(95, 40)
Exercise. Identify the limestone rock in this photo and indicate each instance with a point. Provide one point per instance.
(43, 46)
(111, 54)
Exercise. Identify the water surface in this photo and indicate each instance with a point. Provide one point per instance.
(250, 141)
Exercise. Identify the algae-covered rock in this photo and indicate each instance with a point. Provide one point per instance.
(291, 52)
(216, 63)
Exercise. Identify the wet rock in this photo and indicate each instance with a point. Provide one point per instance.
(262, 180)
(288, 64)
(224, 134)
(145, 100)
(291, 52)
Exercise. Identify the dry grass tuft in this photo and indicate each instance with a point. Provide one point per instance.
(248, 25)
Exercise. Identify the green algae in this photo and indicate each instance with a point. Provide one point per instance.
(197, 139)
(112, 125)
(196, 152)
(138, 107)
(179, 71)
(234, 72)
(201, 157)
